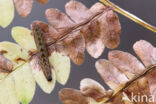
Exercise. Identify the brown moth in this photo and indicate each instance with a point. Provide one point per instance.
(93, 29)
(129, 80)
(42, 51)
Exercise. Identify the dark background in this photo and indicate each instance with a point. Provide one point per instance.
(131, 32)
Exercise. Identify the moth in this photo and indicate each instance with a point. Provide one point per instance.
(42, 51)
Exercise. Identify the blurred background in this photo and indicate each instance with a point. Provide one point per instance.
(131, 32)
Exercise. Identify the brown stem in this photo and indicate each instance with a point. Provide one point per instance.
(147, 70)
(77, 27)
(129, 15)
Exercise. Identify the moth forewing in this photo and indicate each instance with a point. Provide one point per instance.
(42, 51)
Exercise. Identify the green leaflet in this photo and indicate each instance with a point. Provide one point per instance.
(24, 38)
(7, 12)
(61, 65)
(8, 93)
(24, 83)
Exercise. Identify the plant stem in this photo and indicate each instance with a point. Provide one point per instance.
(129, 15)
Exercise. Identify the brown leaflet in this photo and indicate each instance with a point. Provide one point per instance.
(93, 89)
(126, 62)
(88, 22)
(94, 42)
(139, 86)
(152, 82)
(43, 1)
(97, 7)
(75, 45)
(108, 25)
(71, 96)
(110, 74)
(110, 28)
(5, 65)
(146, 52)
(91, 31)
(59, 20)
(23, 7)
(77, 11)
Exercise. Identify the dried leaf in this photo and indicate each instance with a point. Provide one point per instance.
(58, 20)
(91, 32)
(94, 90)
(126, 62)
(152, 83)
(110, 74)
(95, 28)
(5, 65)
(23, 7)
(138, 88)
(146, 52)
(110, 28)
(75, 45)
(71, 96)
(107, 21)
(7, 12)
(97, 7)
(93, 39)
(77, 11)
